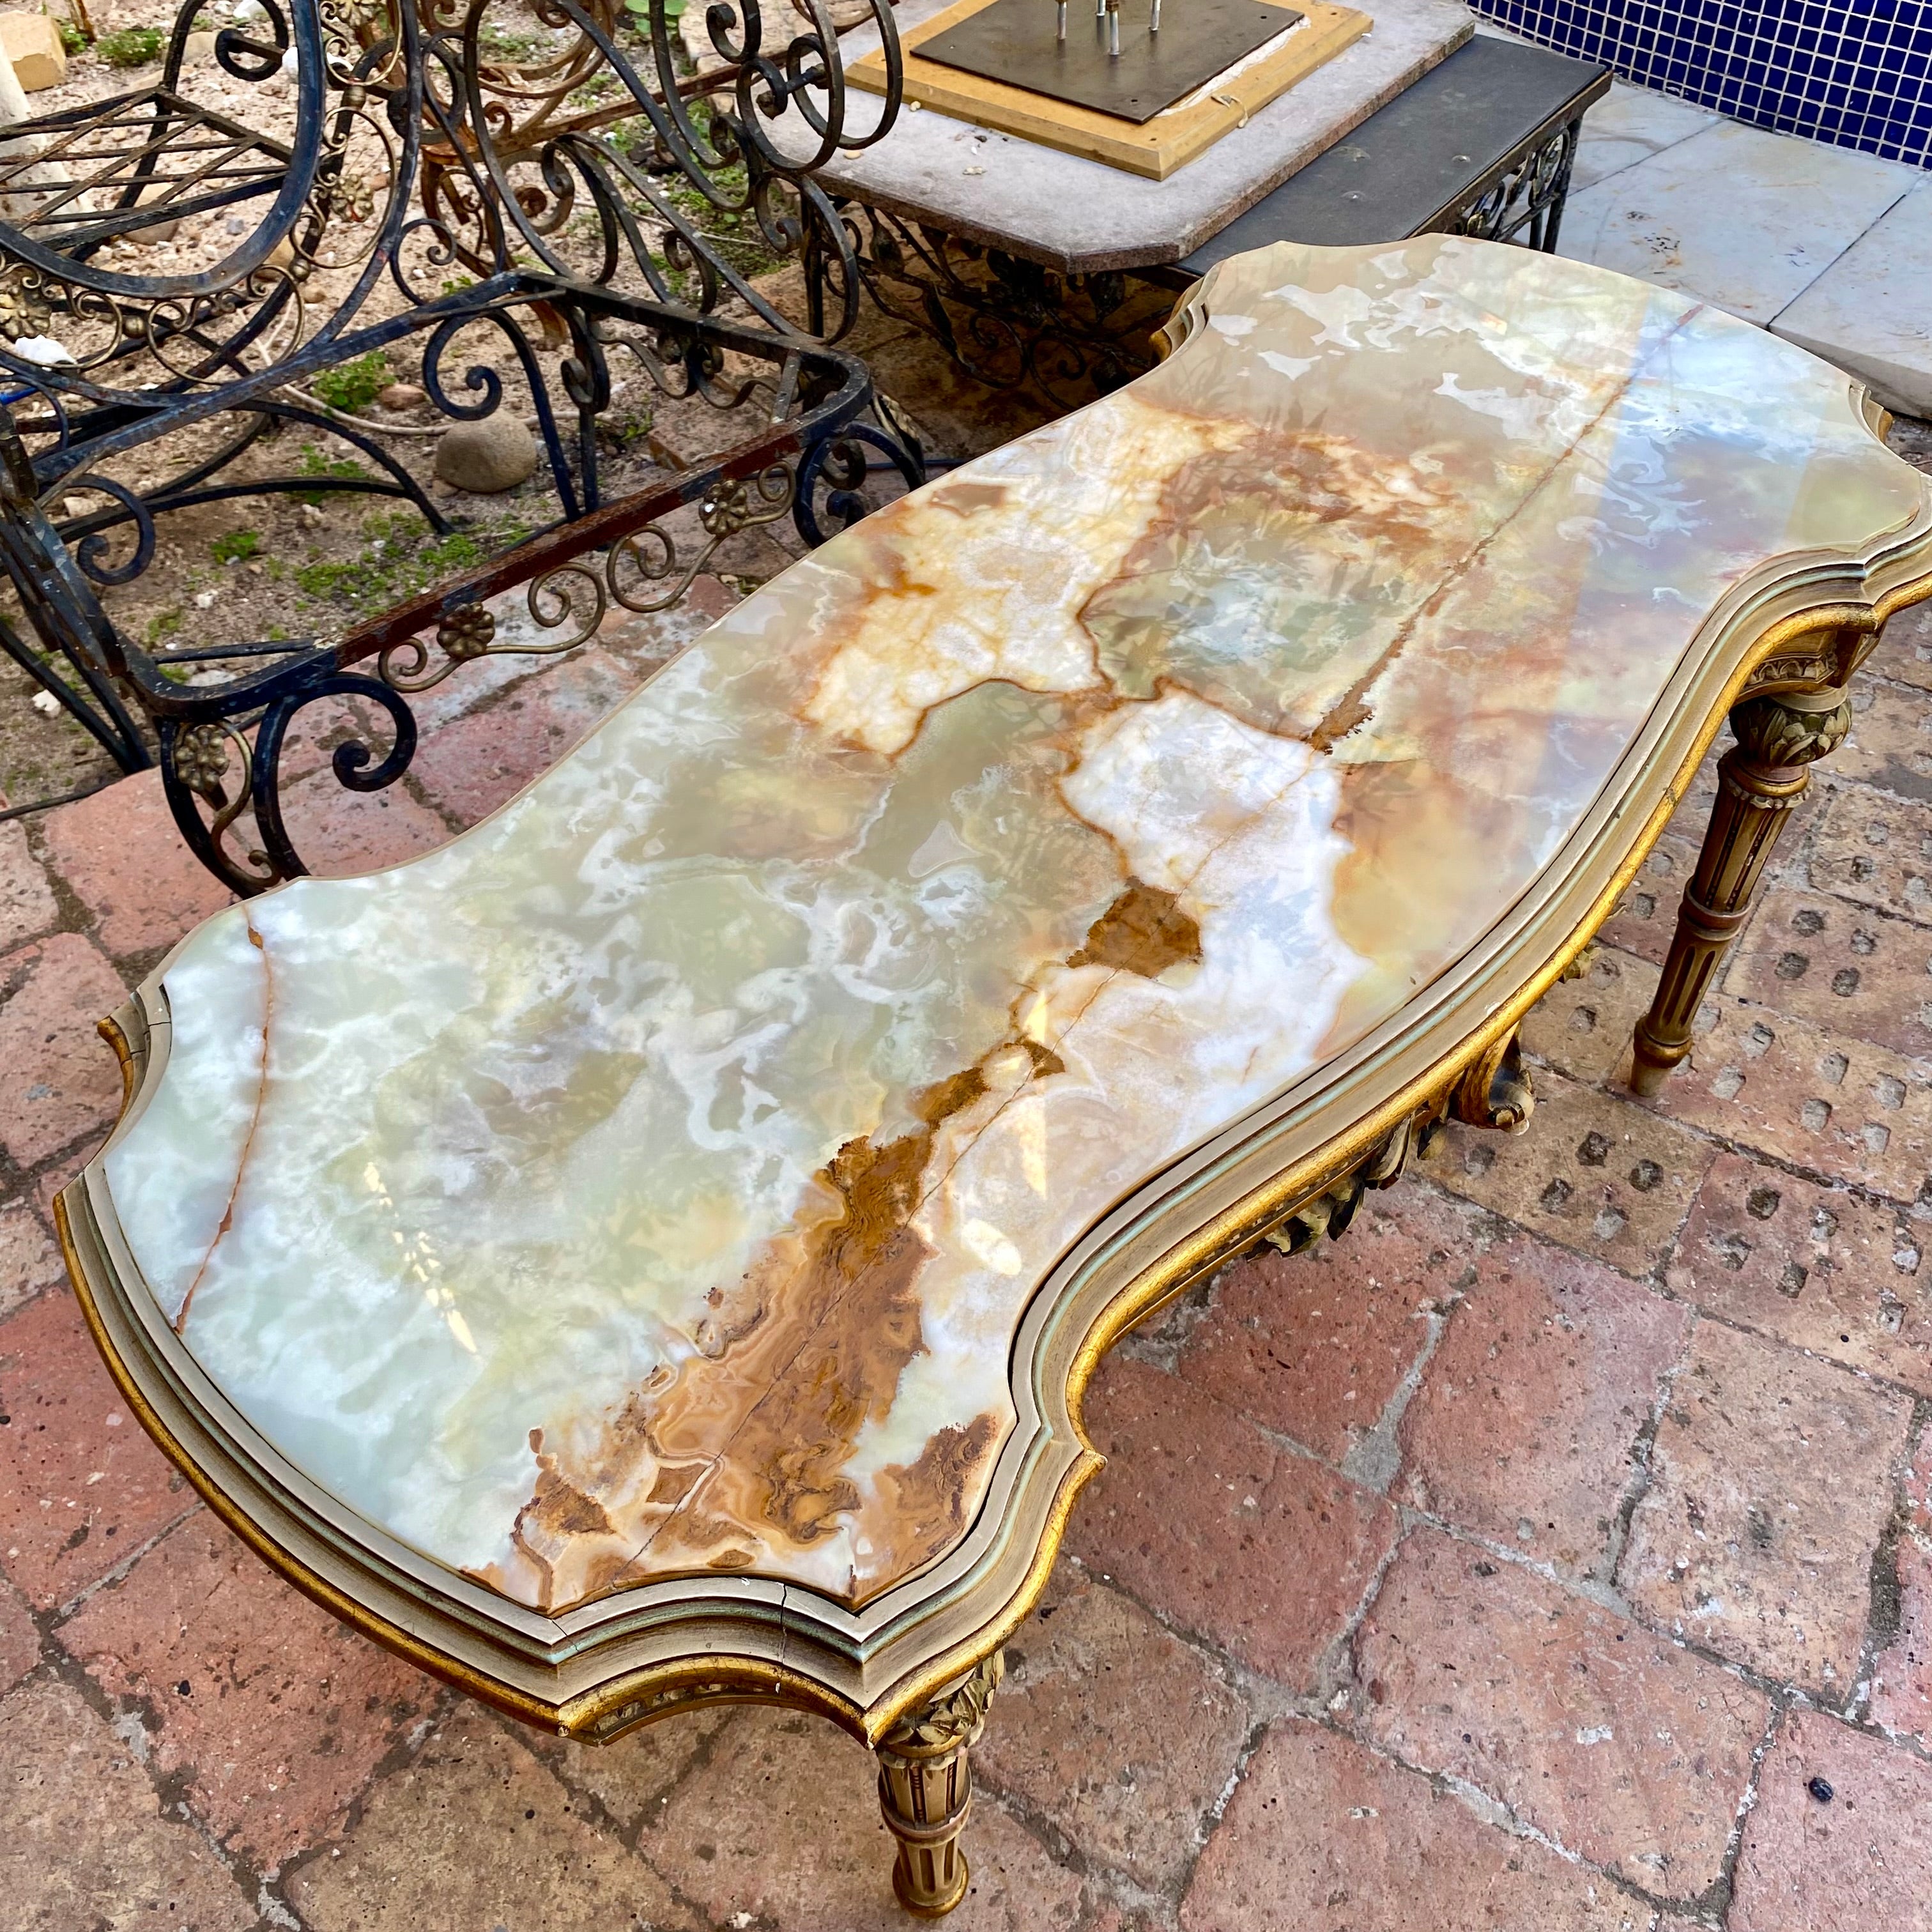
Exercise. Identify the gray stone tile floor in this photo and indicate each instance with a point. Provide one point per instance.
(1827, 246)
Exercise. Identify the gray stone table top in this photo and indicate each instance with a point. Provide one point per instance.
(1080, 216)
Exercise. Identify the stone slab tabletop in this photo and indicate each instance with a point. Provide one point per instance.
(656, 1183)
(1079, 216)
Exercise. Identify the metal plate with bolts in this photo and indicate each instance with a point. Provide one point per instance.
(1016, 41)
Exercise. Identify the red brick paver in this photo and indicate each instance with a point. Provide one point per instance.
(272, 1712)
(472, 766)
(1918, 1485)
(1773, 1486)
(20, 1641)
(1613, 1742)
(30, 1260)
(28, 906)
(780, 1824)
(1596, 1172)
(1315, 1346)
(122, 856)
(1582, 1027)
(1113, 1730)
(57, 1080)
(1891, 742)
(475, 1832)
(81, 1487)
(1528, 1421)
(1857, 1859)
(1901, 1694)
(1324, 1836)
(1819, 1268)
(339, 832)
(1839, 966)
(1825, 1102)
(1205, 1520)
(84, 1842)
(1876, 851)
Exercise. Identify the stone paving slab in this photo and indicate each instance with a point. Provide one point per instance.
(1628, 125)
(1868, 312)
(1829, 247)
(1790, 209)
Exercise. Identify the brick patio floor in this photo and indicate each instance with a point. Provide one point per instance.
(1554, 1552)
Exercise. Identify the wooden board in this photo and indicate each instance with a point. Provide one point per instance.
(1154, 149)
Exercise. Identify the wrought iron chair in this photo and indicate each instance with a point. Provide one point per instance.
(414, 151)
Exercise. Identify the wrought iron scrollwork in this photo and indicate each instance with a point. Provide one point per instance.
(590, 156)
(219, 757)
(1525, 203)
(1007, 321)
(332, 193)
(585, 185)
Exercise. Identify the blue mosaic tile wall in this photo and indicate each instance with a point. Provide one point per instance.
(1857, 75)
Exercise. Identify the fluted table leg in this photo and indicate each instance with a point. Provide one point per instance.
(1760, 779)
(925, 1790)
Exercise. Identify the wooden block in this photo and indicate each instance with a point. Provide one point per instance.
(32, 43)
(1154, 148)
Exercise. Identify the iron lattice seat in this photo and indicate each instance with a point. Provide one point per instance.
(152, 153)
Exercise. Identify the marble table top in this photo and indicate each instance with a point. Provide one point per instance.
(1081, 216)
(652, 1183)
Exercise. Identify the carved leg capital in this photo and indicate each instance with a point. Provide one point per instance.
(1760, 779)
(925, 1790)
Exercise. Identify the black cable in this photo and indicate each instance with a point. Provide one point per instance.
(65, 798)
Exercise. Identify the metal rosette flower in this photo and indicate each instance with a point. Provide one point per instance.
(202, 759)
(643, 569)
(466, 633)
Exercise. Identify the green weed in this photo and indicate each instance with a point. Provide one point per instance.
(130, 46)
(234, 546)
(353, 386)
(314, 463)
(402, 556)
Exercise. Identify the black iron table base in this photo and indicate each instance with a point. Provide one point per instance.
(1482, 145)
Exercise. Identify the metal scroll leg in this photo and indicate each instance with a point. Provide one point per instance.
(925, 1790)
(1760, 779)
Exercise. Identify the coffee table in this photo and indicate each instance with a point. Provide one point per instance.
(650, 1252)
